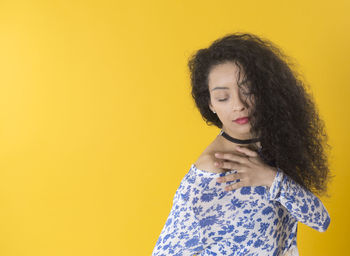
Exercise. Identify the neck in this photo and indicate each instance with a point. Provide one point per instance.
(229, 145)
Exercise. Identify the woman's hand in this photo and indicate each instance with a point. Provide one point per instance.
(251, 170)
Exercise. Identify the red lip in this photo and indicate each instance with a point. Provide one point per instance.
(241, 118)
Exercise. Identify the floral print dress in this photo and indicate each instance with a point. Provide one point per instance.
(253, 220)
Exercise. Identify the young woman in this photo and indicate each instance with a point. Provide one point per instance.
(249, 198)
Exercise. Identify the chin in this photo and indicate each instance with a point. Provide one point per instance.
(242, 126)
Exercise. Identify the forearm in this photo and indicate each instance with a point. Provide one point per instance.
(302, 204)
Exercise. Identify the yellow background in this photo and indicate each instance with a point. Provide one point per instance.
(98, 127)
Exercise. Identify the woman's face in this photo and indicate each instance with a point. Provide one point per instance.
(228, 100)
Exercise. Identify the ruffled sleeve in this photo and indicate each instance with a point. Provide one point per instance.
(302, 204)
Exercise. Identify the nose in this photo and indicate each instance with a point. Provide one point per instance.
(238, 103)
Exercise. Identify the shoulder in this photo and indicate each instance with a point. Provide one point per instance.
(206, 161)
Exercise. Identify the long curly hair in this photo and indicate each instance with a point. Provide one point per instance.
(284, 116)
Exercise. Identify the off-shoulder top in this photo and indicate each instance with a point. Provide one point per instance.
(253, 220)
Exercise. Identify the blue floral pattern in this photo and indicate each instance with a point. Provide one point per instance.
(254, 220)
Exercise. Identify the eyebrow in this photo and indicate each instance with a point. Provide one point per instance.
(224, 87)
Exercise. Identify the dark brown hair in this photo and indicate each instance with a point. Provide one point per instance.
(285, 116)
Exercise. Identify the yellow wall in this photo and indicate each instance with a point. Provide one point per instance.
(98, 126)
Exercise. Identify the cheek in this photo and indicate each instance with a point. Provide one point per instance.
(226, 117)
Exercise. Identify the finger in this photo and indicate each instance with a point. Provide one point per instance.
(230, 157)
(247, 151)
(228, 165)
(229, 177)
(234, 186)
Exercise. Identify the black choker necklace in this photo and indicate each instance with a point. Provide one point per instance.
(226, 136)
